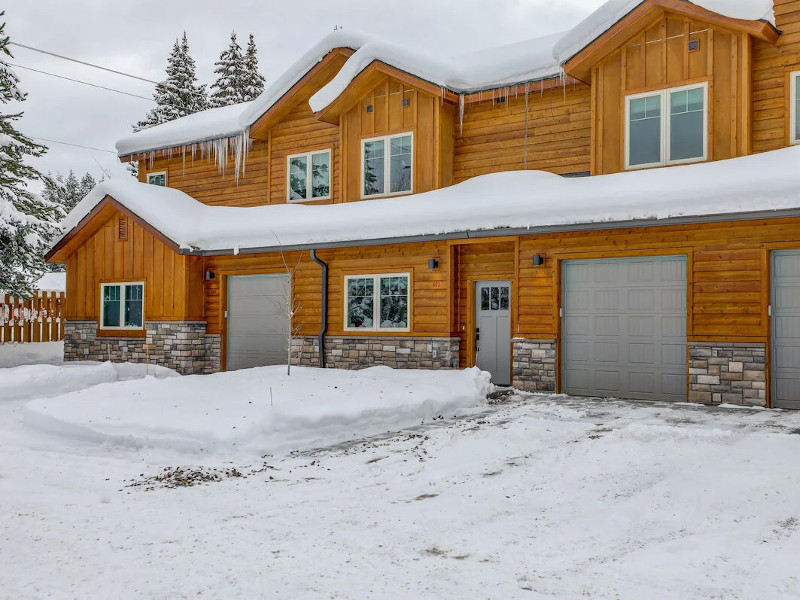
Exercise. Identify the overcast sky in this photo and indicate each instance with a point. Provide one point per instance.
(136, 37)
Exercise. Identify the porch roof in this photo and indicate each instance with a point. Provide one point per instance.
(758, 186)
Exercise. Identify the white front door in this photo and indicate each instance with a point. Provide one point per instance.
(493, 329)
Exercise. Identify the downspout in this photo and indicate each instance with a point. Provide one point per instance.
(324, 325)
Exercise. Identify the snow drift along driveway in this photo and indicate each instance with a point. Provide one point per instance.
(258, 410)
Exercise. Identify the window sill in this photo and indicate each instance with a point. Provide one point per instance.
(121, 333)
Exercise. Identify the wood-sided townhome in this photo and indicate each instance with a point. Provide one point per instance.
(612, 211)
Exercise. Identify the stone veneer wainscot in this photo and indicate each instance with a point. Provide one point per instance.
(730, 373)
(534, 364)
(346, 352)
(179, 345)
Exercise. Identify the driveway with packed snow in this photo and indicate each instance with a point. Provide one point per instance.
(533, 497)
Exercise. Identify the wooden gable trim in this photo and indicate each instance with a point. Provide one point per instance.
(326, 68)
(368, 79)
(87, 226)
(580, 65)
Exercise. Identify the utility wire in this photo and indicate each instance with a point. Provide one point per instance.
(81, 62)
(68, 144)
(79, 81)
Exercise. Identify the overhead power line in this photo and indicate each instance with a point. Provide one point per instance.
(82, 62)
(69, 144)
(79, 81)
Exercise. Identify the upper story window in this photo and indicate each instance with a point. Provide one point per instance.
(666, 127)
(122, 305)
(387, 165)
(794, 109)
(157, 178)
(377, 302)
(309, 176)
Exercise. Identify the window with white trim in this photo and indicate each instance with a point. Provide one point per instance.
(794, 109)
(377, 302)
(309, 176)
(387, 165)
(122, 305)
(157, 178)
(666, 127)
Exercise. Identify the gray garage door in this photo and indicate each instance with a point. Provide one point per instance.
(786, 329)
(624, 328)
(257, 326)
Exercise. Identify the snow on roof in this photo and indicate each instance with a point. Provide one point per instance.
(52, 282)
(521, 62)
(526, 61)
(515, 199)
(229, 121)
(613, 11)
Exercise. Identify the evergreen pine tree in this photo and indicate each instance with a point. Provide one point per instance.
(254, 84)
(27, 221)
(179, 94)
(229, 88)
(68, 191)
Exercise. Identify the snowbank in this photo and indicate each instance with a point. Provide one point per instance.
(517, 199)
(43, 381)
(260, 410)
(13, 354)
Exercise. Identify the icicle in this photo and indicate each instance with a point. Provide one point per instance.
(152, 158)
(461, 113)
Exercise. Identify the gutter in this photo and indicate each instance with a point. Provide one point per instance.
(323, 328)
(500, 232)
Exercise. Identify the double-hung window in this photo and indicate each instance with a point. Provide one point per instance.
(666, 127)
(794, 108)
(387, 165)
(157, 178)
(122, 305)
(309, 176)
(377, 302)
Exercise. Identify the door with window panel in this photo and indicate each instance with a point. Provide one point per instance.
(493, 329)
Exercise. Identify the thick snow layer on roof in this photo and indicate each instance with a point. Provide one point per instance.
(520, 62)
(612, 11)
(515, 199)
(229, 121)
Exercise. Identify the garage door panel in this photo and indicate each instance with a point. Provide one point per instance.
(606, 352)
(607, 381)
(634, 327)
(257, 328)
(641, 300)
(644, 354)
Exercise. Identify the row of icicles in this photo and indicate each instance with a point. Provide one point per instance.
(239, 145)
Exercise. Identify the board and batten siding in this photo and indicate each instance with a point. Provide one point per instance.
(173, 283)
(659, 58)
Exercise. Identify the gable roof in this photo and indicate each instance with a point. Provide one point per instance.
(613, 11)
(523, 62)
(757, 186)
(230, 121)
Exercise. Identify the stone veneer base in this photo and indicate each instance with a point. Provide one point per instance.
(179, 345)
(346, 352)
(534, 364)
(730, 373)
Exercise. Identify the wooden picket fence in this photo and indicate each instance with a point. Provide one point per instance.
(37, 319)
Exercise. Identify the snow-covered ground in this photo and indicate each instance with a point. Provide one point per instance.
(535, 497)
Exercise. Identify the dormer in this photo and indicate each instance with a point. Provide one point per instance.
(671, 84)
